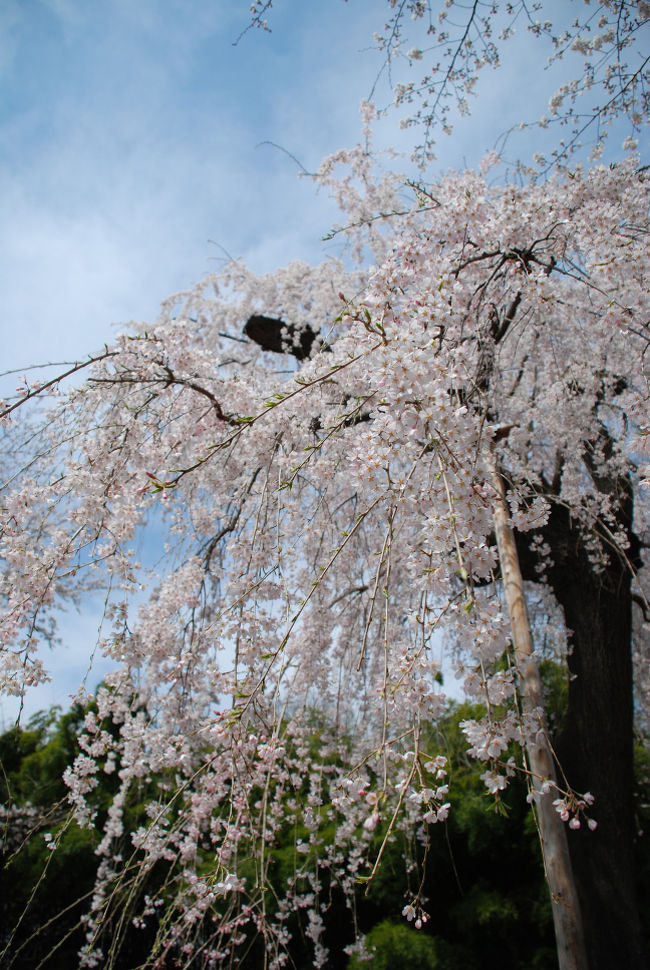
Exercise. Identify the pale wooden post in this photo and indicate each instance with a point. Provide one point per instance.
(553, 836)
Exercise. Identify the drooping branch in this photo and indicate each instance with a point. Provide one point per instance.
(46, 385)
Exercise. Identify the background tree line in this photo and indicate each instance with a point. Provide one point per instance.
(481, 872)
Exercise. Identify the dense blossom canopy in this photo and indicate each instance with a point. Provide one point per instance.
(336, 509)
(327, 527)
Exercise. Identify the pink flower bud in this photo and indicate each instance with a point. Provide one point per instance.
(370, 823)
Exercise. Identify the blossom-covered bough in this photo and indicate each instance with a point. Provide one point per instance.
(326, 530)
(461, 434)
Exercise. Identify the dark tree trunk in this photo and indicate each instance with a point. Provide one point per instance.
(595, 746)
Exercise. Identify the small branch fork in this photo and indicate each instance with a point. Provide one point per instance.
(74, 369)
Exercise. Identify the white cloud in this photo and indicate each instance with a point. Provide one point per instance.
(118, 174)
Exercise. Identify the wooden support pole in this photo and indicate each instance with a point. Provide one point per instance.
(553, 835)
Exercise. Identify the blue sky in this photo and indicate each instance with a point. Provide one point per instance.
(129, 134)
(128, 149)
(130, 159)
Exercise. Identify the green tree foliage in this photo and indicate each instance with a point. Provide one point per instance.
(396, 945)
(45, 891)
(42, 892)
(479, 874)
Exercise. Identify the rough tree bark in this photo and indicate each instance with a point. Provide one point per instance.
(595, 744)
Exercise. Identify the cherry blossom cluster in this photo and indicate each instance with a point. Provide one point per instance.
(571, 809)
(321, 534)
